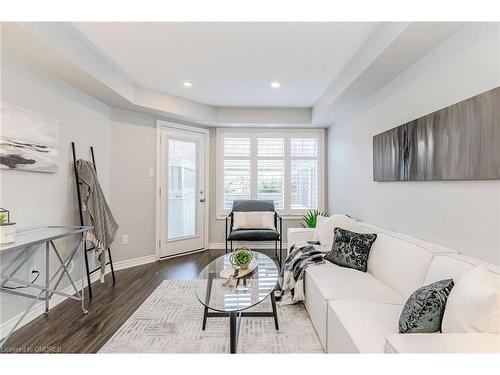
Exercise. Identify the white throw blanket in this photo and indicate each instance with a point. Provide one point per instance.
(302, 255)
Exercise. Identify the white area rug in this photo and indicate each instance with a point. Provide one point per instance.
(169, 321)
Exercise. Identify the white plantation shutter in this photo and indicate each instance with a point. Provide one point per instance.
(270, 147)
(304, 173)
(270, 176)
(304, 184)
(236, 181)
(283, 166)
(271, 170)
(304, 147)
(237, 147)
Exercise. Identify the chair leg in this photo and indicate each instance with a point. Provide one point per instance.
(276, 250)
(226, 245)
(231, 246)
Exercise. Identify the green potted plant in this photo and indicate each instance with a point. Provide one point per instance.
(241, 258)
(310, 219)
(7, 229)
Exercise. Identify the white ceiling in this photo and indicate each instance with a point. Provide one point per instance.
(231, 64)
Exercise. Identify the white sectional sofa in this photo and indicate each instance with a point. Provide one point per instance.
(357, 312)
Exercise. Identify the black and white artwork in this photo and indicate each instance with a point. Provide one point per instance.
(459, 142)
(28, 140)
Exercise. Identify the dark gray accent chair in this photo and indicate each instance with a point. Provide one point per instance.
(255, 234)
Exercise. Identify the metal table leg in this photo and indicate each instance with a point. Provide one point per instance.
(84, 256)
(36, 299)
(233, 332)
(28, 309)
(47, 260)
(46, 292)
(68, 260)
(63, 266)
(275, 312)
(235, 321)
(13, 262)
(207, 300)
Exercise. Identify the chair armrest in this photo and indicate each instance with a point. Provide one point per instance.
(296, 235)
(279, 227)
(229, 216)
(442, 343)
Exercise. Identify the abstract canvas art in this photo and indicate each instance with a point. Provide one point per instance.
(459, 142)
(28, 140)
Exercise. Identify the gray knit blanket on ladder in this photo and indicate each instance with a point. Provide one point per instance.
(96, 213)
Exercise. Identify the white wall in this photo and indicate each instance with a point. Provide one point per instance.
(50, 198)
(463, 215)
(133, 153)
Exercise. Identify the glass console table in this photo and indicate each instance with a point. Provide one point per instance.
(249, 290)
(28, 242)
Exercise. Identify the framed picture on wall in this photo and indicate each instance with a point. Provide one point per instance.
(28, 140)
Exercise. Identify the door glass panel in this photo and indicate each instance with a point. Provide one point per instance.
(181, 188)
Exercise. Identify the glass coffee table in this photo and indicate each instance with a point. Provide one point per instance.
(249, 290)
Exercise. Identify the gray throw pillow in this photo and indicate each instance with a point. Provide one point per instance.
(351, 249)
(423, 312)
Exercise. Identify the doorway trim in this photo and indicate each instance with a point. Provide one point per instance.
(163, 124)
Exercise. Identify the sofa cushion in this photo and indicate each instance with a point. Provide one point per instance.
(473, 304)
(326, 281)
(253, 235)
(351, 249)
(423, 312)
(336, 282)
(316, 306)
(336, 221)
(371, 228)
(400, 264)
(364, 324)
(453, 266)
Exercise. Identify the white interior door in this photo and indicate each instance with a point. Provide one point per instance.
(182, 173)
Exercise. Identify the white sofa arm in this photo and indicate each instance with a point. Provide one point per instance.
(442, 343)
(296, 235)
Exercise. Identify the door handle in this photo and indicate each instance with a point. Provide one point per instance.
(202, 200)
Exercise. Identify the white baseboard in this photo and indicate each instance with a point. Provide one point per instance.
(249, 244)
(39, 309)
(182, 254)
(134, 262)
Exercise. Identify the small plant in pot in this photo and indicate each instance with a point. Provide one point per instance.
(7, 229)
(241, 258)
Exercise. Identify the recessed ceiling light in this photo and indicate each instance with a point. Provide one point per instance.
(275, 84)
(187, 84)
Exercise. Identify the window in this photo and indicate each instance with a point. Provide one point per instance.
(285, 166)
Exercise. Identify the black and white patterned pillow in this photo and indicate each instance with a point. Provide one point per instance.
(423, 312)
(351, 249)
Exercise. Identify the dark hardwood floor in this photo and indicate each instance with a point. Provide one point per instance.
(66, 330)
